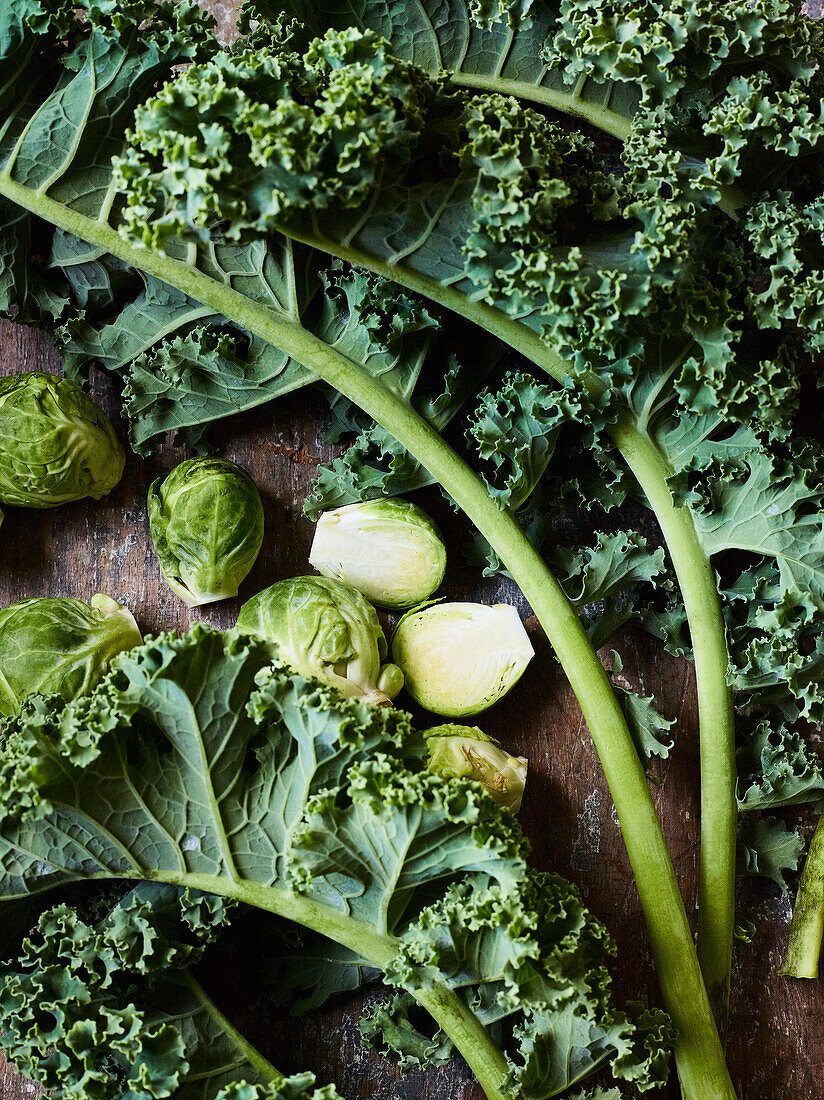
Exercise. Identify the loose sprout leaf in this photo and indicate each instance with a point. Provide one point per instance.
(767, 848)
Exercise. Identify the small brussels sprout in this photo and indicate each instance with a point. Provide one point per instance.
(390, 550)
(57, 645)
(460, 658)
(56, 445)
(206, 520)
(325, 628)
(466, 752)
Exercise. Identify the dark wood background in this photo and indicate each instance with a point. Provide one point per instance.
(776, 1030)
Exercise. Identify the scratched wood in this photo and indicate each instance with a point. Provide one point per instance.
(775, 1035)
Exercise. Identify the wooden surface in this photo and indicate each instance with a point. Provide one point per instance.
(776, 1029)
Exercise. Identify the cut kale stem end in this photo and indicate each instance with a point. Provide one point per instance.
(699, 1055)
(807, 927)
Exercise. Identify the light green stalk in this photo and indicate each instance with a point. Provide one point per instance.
(719, 807)
(807, 927)
(699, 1054)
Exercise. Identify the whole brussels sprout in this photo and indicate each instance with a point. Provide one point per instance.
(466, 752)
(390, 550)
(206, 520)
(57, 645)
(460, 658)
(325, 628)
(56, 445)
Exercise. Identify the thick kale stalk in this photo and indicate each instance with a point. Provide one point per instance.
(204, 764)
(51, 197)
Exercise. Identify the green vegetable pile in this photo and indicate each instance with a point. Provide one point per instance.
(626, 197)
(203, 772)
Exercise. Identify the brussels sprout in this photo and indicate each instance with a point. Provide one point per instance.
(56, 445)
(206, 520)
(460, 658)
(58, 645)
(466, 752)
(390, 550)
(325, 628)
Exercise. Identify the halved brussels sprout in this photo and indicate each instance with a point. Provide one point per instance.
(390, 550)
(325, 628)
(206, 520)
(466, 752)
(58, 645)
(56, 445)
(460, 658)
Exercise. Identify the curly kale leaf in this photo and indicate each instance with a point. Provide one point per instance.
(494, 205)
(776, 766)
(375, 464)
(613, 581)
(768, 849)
(532, 967)
(184, 365)
(649, 728)
(297, 1087)
(107, 1008)
(671, 50)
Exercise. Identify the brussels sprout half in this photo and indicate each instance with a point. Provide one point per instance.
(58, 645)
(56, 445)
(459, 658)
(465, 752)
(206, 520)
(390, 550)
(325, 628)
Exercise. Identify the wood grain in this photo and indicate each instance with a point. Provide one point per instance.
(776, 1028)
